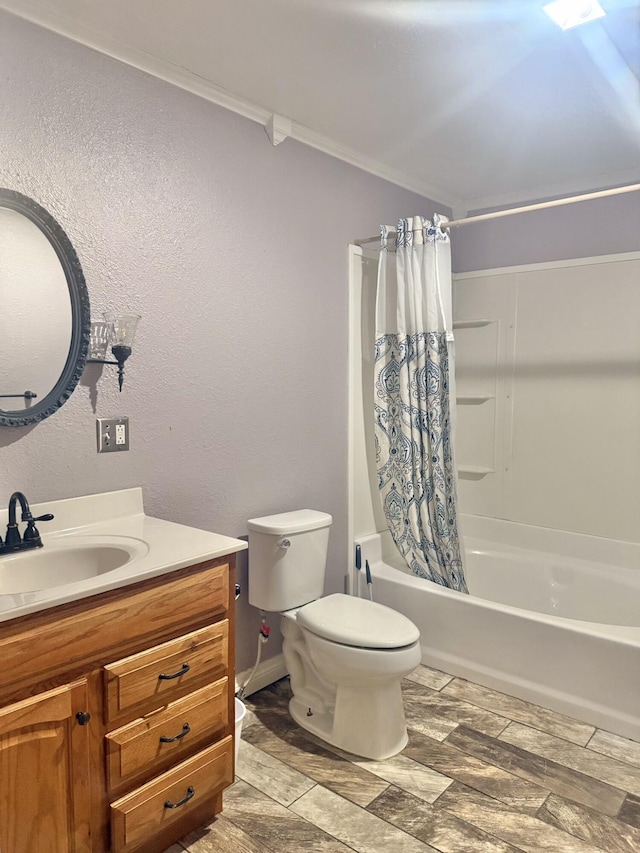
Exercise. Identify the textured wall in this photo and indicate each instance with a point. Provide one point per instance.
(589, 228)
(234, 252)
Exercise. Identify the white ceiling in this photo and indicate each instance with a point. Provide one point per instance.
(475, 103)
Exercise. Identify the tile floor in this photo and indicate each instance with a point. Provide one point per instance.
(482, 773)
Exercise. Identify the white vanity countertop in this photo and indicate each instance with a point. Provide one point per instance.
(113, 519)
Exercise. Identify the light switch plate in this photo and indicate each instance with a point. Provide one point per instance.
(112, 434)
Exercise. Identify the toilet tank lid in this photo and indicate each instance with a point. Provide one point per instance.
(298, 521)
(358, 622)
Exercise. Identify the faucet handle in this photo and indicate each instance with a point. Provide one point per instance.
(32, 534)
(26, 516)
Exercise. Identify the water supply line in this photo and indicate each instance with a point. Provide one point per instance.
(263, 638)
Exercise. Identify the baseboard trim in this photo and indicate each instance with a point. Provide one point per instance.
(267, 672)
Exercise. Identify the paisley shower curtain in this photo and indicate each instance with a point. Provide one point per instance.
(415, 400)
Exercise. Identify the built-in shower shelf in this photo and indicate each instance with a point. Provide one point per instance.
(473, 324)
(474, 472)
(474, 399)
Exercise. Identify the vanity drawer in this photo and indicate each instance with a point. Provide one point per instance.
(145, 812)
(163, 673)
(187, 724)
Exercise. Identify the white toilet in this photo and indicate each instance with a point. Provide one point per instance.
(346, 656)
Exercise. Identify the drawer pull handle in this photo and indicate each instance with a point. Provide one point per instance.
(191, 792)
(182, 671)
(185, 731)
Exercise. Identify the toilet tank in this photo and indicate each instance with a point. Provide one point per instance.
(287, 559)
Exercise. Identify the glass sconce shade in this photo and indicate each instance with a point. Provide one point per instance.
(119, 330)
(123, 328)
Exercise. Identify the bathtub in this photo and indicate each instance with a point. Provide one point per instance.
(552, 617)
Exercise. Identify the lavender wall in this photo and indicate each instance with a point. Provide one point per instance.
(234, 252)
(587, 229)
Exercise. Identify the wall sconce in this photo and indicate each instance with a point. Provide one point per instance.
(117, 330)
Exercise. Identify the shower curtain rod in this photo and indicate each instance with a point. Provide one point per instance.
(496, 214)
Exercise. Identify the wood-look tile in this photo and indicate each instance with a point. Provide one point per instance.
(434, 826)
(273, 714)
(280, 781)
(520, 711)
(630, 811)
(360, 830)
(423, 782)
(250, 717)
(437, 728)
(494, 781)
(524, 831)
(277, 828)
(432, 678)
(274, 698)
(615, 746)
(545, 772)
(604, 832)
(289, 745)
(498, 801)
(271, 717)
(583, 760)
(222, 834)
(280, 689)
(419, 780)
(426, 704)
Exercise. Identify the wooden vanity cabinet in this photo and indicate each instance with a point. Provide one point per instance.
(44, 773)
(117, 716)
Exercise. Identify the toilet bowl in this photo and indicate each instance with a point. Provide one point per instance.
(345, 655)
(359, 707)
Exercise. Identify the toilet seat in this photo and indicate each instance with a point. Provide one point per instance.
(357, 622)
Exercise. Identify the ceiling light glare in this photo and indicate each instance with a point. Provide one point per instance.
(571, 13)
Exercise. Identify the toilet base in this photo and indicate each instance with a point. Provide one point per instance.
(349, 696)
(365, 722)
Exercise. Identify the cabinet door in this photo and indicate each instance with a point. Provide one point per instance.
(44, 773)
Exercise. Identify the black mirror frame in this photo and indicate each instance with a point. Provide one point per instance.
(80, 312)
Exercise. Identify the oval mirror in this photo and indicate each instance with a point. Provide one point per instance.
(45, 319)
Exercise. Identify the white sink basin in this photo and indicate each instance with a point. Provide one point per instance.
(65, 561)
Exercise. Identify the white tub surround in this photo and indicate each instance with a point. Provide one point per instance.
(552, 617)
(113, 522)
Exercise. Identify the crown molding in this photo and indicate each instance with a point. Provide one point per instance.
(181, 77)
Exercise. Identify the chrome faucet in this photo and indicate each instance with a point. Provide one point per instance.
(31, 539)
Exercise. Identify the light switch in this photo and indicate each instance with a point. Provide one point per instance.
(112, 434)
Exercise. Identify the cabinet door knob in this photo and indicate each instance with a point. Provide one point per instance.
(83, 717)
